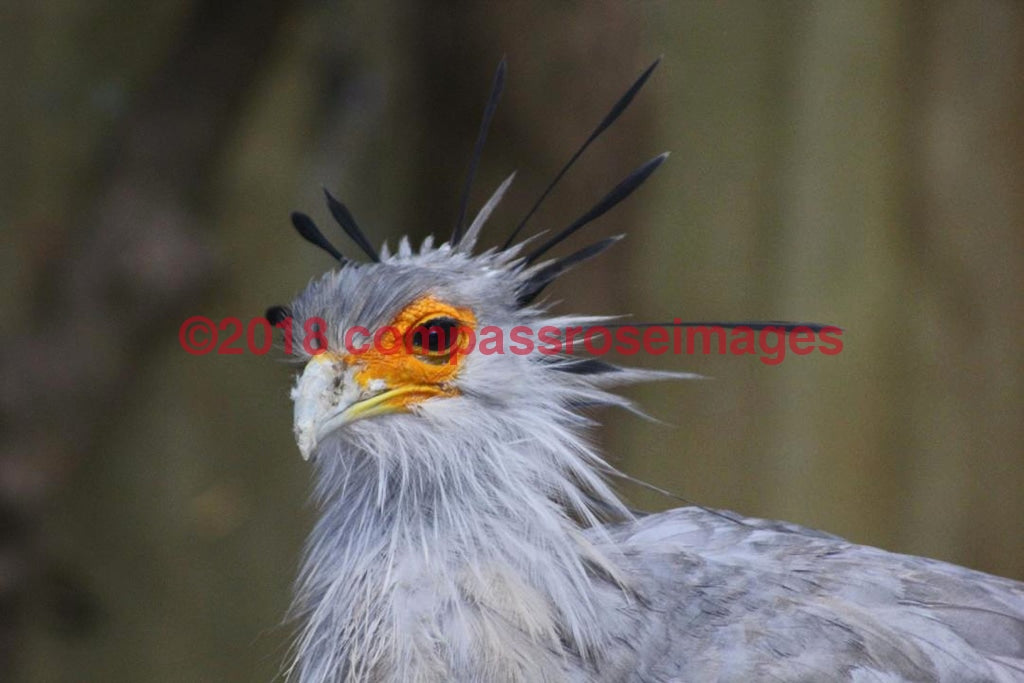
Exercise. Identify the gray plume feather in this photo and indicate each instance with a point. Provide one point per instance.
(476, 537)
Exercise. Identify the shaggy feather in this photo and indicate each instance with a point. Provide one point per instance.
(440, 527)
(475, 537)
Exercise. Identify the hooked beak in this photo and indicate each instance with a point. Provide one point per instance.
(328, 395)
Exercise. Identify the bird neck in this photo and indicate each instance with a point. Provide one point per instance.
(475, 549)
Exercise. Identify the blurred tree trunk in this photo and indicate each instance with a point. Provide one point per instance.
(860, 164)
(136, 254)
(965, 249)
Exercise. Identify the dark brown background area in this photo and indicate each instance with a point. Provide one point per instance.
(853, 163)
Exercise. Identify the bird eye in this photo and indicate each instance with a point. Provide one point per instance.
(435, 336)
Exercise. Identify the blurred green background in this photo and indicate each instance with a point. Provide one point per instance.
(857, 163)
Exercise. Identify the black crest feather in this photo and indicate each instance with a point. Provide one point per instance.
(585, 366)
(616, 195)
(756, 325)
(620, 106)
(478, 149)
(305, 226)
(546, 275)
(277, 314)
(537, 280)
(348, 223)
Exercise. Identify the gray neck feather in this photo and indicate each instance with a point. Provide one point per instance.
(433, 557)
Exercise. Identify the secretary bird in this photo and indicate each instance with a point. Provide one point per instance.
(467, 531)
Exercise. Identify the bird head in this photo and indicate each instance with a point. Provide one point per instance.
(393, 347)
(389, 348)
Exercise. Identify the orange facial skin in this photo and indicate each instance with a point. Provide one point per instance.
(412, 375)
